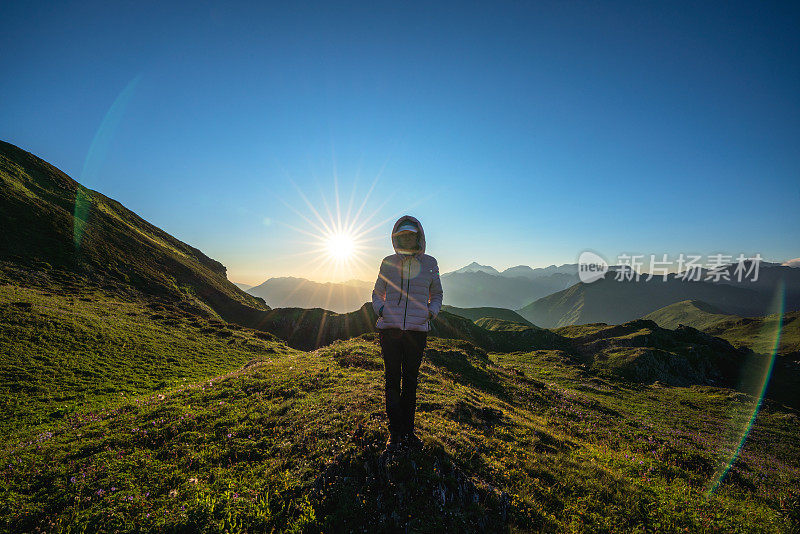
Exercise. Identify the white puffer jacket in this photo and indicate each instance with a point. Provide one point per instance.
(408, 286)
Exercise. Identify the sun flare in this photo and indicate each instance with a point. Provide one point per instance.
(340, 246)
(342, 237)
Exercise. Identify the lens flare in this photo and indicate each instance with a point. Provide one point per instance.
(754, 381)
(94, 159)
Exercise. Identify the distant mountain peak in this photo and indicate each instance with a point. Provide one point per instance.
(525, 268)
(295, 292)
(475, 267)
(526, 271)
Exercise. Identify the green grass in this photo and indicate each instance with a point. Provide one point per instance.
(491, 323)
(64, 352)
(614, 302)
(474, 314)
(739, 331)
(260, 437)
(60, 226)
(694, 313)
(754, 332)
(579, 330)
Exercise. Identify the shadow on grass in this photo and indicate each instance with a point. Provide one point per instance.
(468, 365)
(416, 490)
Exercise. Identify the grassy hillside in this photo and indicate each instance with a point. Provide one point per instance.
(610, 301)
(739, 331)
(491, 323)
(60, 225)
(474, 314)
(93, 348)
(642, 351)
(263, 437)
(308, 329)
(695, 313)
(311, 328)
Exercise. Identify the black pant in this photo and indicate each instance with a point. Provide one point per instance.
(402, 355)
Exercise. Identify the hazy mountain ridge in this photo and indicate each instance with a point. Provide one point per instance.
(471, 286)
(519, 271)
(526, 271)
(481, 289)
(480, 285)
(476, 267)
(293, 292)
(615, 301)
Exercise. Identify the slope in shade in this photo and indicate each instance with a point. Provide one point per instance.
(38, 202)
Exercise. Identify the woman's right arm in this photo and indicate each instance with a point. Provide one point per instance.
(379, 292)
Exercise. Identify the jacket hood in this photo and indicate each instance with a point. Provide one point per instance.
(421, 238)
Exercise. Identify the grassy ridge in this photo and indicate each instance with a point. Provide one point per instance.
(474, 314)
(59, 224)
(523, 441)
(492, 323)
(740, 331)
(611, 301)
(67, 351)
(754, 333)
(694, 313)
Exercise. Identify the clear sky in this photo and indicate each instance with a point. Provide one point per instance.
(518, 133)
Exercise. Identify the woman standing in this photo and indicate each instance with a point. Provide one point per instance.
(406, 297)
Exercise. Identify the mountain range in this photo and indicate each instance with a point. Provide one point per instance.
(476, 288)
(519, 271)
(611, 300)
(140, 390)
(471, 286)
(60, 226)
(292, 292)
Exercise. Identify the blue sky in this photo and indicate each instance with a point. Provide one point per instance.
(518, 133)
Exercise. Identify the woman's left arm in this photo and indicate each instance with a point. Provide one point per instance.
(435, 293)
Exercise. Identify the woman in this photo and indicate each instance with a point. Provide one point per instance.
(406, 297)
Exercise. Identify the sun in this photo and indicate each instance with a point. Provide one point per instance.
(340, 246)
(341, 238)
(340, 243)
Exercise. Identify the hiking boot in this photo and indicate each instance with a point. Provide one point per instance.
(411, 441)
(393, 443)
